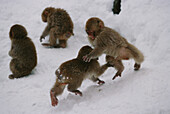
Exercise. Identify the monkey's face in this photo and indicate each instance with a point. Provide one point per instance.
(93, 27)
(17, 32)
(46, 13)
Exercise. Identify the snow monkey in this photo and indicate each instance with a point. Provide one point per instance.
(73, 72)
(59, 26)
(108, 41)
(23, 52)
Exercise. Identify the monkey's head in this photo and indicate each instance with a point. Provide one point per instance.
(46, 12)
(84, 51)
(17, 32)
(93, 27)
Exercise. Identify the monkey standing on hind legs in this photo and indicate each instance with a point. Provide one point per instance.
(73, 72)
(59, 26)
(23, 52)
(108, 41)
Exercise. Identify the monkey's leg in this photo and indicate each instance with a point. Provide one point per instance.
(13, 65)
(111, 61)
(63, 43)
(73, 88)
(119, 66)
(100, 71)
(136, 55)
(94, 79)
(53, 38)
(103, 68)
(18, 69)
(55, 91)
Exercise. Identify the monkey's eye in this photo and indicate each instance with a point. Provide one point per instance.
(89, 32)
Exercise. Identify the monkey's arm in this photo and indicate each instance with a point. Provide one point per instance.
(45, 33)
(12, 52)
(98, 51)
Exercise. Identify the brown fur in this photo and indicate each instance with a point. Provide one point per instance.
(108, 41)
(23, 52)
(73, 72)
(59, 26)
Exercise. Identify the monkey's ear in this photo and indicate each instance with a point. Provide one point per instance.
(46, 13)
(101, 25)
(10, 34)
(67, 35)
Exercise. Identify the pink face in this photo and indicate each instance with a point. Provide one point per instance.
(91, 34)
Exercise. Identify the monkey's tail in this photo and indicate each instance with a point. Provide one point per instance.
(136, 53)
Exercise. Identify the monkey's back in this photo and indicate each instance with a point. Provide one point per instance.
(73, 68)
(111, 40)
(25, 52)
(77, 70)
(61, 20)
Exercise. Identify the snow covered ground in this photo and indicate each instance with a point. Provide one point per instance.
(145, 23)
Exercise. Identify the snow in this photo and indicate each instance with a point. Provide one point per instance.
(144, 23)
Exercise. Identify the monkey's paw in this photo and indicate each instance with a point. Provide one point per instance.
(86, 58)
(42, 37)
(11, 76)
(54, 100)
(136, 66)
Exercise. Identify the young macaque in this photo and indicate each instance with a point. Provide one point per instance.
(23, 52)
(59, 26)
(108, 41)
(73, 72)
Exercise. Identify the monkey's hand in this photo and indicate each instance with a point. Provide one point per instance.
(42, 37)
(87, 58)
(54, 100)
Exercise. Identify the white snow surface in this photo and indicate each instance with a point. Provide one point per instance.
(144, 23)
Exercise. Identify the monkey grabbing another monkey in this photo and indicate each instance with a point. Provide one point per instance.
(108, 41)
(73, 72)
(59, 26)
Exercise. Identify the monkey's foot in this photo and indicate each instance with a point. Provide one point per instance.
(101, 82)
(136, 66)
(62, 45)
(77, 92)
(117, 75)
(11, 76)
(50, 46)
(54, 100)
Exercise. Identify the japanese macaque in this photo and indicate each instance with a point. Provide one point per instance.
(108, 41)
(59, 26)
(23, 52)
(73, 72)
